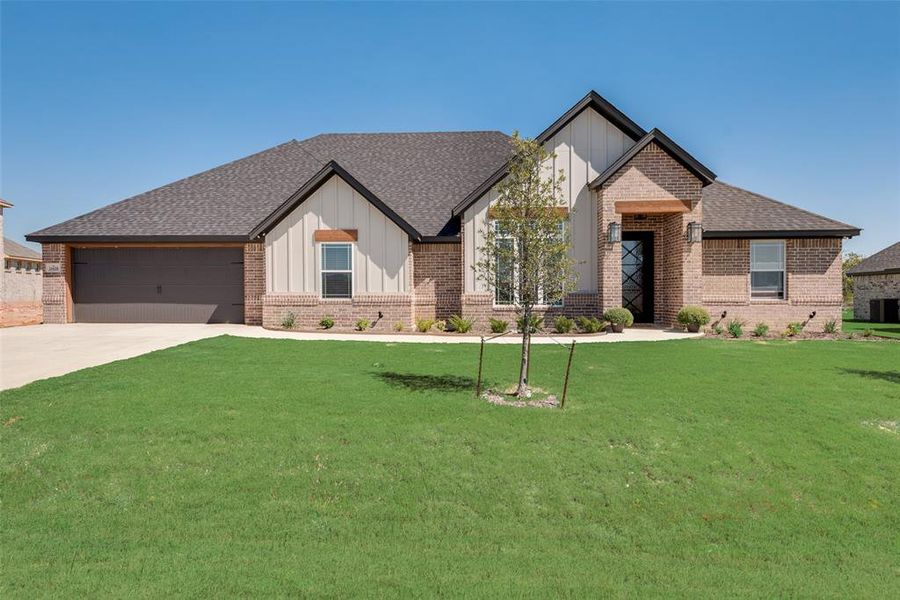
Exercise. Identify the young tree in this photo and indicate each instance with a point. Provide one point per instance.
(525, 252)
(851, 259)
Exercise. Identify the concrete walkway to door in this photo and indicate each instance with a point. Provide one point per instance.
(40, 351)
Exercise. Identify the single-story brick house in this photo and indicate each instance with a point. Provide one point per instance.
(387, 226)
(876, 286)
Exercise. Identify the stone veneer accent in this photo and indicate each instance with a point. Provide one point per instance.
(254, 282)
(437, 279)
(873, 287)
(813, 283)
(56, 289)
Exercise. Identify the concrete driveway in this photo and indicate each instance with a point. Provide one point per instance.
(40, 351)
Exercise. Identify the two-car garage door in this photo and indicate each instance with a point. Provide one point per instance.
(158, 285)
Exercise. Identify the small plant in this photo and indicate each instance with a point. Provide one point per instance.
(619, 316)
(563, 324)
(693, 317)
(868, 333)
(326, 323)
(289, 320)
(440, 325)
(533, 326)
(399, 326)
(736, 328)
(795, 328)
(498, 325)
(423, 325)
(589, 324)
(831, 326)
(761, 330)
(459, 324)
(362, 324)
(717, 329)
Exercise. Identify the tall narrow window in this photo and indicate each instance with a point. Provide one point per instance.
(337, 270)
(767, 270)
(505, 292)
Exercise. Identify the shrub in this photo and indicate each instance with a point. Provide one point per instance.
(619, 316)
(736, 328)
(760, 330)
(795, 328)
(423, 325)
(831, 326)
(693, 315)
(362, 324)
(289, 320)
(533, 325)
(868, 333)
(563, 324)
(499, 325)
(326, 323)
(717, 329)
(399, 326)
(459, 324)
(440, 325)
(589, 324)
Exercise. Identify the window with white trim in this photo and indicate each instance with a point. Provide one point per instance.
(767, 270)
(505, 292)
(337, 270)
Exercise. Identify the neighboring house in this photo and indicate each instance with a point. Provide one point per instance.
(20, 281)
(876, 286)
(387, 227)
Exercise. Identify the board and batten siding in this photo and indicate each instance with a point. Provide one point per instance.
(380, 255)
(584, 148)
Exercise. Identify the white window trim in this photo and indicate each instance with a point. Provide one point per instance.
(515, 302)
(750, 271)
(321, 271)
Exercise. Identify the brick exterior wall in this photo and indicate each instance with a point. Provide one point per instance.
(309, 309)
(56, 290)
(653, 175)
(254, 282)
(873, 287)
(480, 308)
(437, 280)
(813, 283)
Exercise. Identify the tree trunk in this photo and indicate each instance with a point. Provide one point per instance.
(522, 390)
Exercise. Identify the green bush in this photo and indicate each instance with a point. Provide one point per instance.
(831, 326)
(760, 330)
(289, 320)
(795, 328)
(619, 316)
(326, 323)
(736, 328)
(460, 325)
(440, 325)
(399, 326)
(563, 324)
(693, 315)
(423, 325)
(362, 324)
(498, 325)
(868, 332)
(534, 324)
(589, 324)
(717, 329)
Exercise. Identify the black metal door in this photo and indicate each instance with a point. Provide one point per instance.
(637, 275)
(158, 285)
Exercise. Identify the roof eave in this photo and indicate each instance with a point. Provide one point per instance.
(781, 233)
(72, 239)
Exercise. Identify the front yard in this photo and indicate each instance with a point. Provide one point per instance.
(256, 467)
(888, 330)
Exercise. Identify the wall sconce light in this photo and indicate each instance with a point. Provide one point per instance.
(614, 233)
(724, 313)
(812, 315)
(694, 232)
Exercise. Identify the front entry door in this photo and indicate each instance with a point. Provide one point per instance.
(637, 274)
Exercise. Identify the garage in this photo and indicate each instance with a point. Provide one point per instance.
(158, 285)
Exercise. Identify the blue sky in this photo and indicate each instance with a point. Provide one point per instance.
(102, 101)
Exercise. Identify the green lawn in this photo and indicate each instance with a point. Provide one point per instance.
(889, 330)
(698, 468)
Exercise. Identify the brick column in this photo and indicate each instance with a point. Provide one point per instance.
(57, 285)
(609, 256)
(254, 282)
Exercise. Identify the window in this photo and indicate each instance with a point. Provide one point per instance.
(767, 270)
(505, 292)
(337, 270)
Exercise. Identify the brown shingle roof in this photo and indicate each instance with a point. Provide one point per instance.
(15, 249)
(885, 261)
(730, 211)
